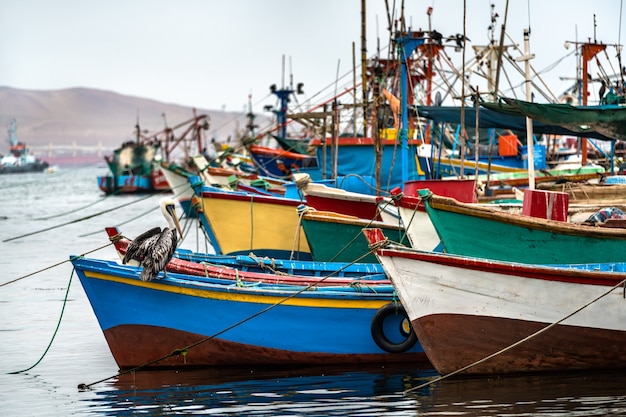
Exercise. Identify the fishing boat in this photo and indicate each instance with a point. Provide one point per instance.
(336, 237)
(135, 166)
(239, 222)
(181, 320)
(322, 197)
(133, 169)
(484, 232)
(279, 163)
(412, 215)
(480, 316)
(178, 178)
(251, 268)
(19, 159)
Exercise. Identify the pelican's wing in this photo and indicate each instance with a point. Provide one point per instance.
(161, 250)
(164, 248)
(136, 248)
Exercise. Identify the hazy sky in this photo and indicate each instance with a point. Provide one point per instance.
(212, 54)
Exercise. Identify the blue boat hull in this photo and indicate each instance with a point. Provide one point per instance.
(190, 321)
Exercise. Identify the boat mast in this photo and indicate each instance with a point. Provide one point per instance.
(407, 43)
(529, 122)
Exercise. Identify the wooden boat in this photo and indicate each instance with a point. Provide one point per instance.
(178, 178)
(354, 158)
(278, 163)
(493, 317)
(241, 222)
(321, 197)
(506, 161)
(190, 321)
(253, 269)
(475, 230)
(133, 169)
(610, 192)
(516, 179)
(336, 237)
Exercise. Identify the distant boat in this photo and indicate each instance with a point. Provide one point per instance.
(489, 317)
(135, 166)
(133, 169)
(19, 159)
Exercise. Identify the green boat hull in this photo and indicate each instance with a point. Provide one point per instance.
(337, 240)
(490, 234)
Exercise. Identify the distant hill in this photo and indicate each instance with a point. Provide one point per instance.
(83, 118)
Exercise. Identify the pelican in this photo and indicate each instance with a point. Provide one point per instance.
(154, 248)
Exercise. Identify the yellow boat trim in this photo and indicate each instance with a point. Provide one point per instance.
(481, 165)
(241, 225)
(243, 298)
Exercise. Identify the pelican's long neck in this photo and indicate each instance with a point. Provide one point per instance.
(169, 212)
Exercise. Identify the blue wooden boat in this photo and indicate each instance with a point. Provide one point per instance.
(189, 321)
(256, 269)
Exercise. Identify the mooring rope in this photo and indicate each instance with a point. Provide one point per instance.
(99, 200)
(75, 220)
(519, 342)
(56, 330)
(132, 218)
(50, 267)
(184, 351)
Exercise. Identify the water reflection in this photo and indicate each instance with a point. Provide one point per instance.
(311, 391)
(562, 394)
(380, 392)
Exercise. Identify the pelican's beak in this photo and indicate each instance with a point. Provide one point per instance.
(172, 210)
(180, 230)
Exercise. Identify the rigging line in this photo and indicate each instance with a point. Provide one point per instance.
(114, 193)
(124, 222)
(50, 267)
(55, 330)
(519, 342)
(184, 350)
(132, 218)
(75, 210)
(74, 221)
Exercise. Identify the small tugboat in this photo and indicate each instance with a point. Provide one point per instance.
(19, 159)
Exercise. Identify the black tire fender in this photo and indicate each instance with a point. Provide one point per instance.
(378, 332)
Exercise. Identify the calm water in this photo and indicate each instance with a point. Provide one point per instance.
(31, 307)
